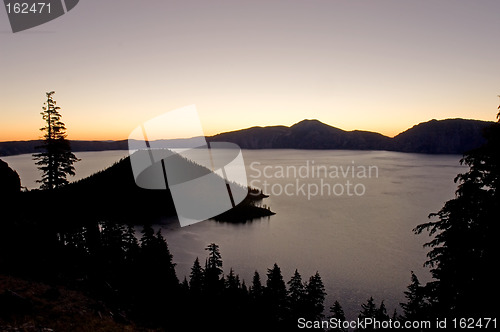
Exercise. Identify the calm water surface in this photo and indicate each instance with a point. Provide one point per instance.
(360, 240)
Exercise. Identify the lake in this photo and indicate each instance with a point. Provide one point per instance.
(347, 214)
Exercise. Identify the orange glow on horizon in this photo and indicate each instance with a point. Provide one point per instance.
(117, 135)
(16, 135)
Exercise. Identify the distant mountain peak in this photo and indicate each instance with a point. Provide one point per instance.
(310, 123)
(313, 124)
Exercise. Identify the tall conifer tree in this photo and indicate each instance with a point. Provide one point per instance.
(56, 160)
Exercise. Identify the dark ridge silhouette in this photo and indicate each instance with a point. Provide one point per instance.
(253, 138)
(12, 148)
(307, 134)
(24, 147)
(451, 136)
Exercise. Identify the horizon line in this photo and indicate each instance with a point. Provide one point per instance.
(256, 126)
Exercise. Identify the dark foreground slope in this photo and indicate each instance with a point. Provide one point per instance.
(31, 306)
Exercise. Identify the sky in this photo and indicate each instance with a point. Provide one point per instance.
(372, 65)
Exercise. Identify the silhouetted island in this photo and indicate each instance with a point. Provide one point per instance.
(112, 194)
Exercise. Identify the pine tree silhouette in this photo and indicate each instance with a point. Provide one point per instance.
(338, 313)
(314, 297)
(196, 279)
(296, 296)
(256, 290)
(464, 251)
(275, 294)
(214, 284)
(368, 310)
(415, 306)
(56, 161)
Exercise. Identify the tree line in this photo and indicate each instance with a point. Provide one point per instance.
(135, 276)
(133, 273)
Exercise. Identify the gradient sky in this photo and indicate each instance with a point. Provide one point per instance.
(371, 65)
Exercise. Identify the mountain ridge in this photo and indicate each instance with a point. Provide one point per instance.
(448, 136)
